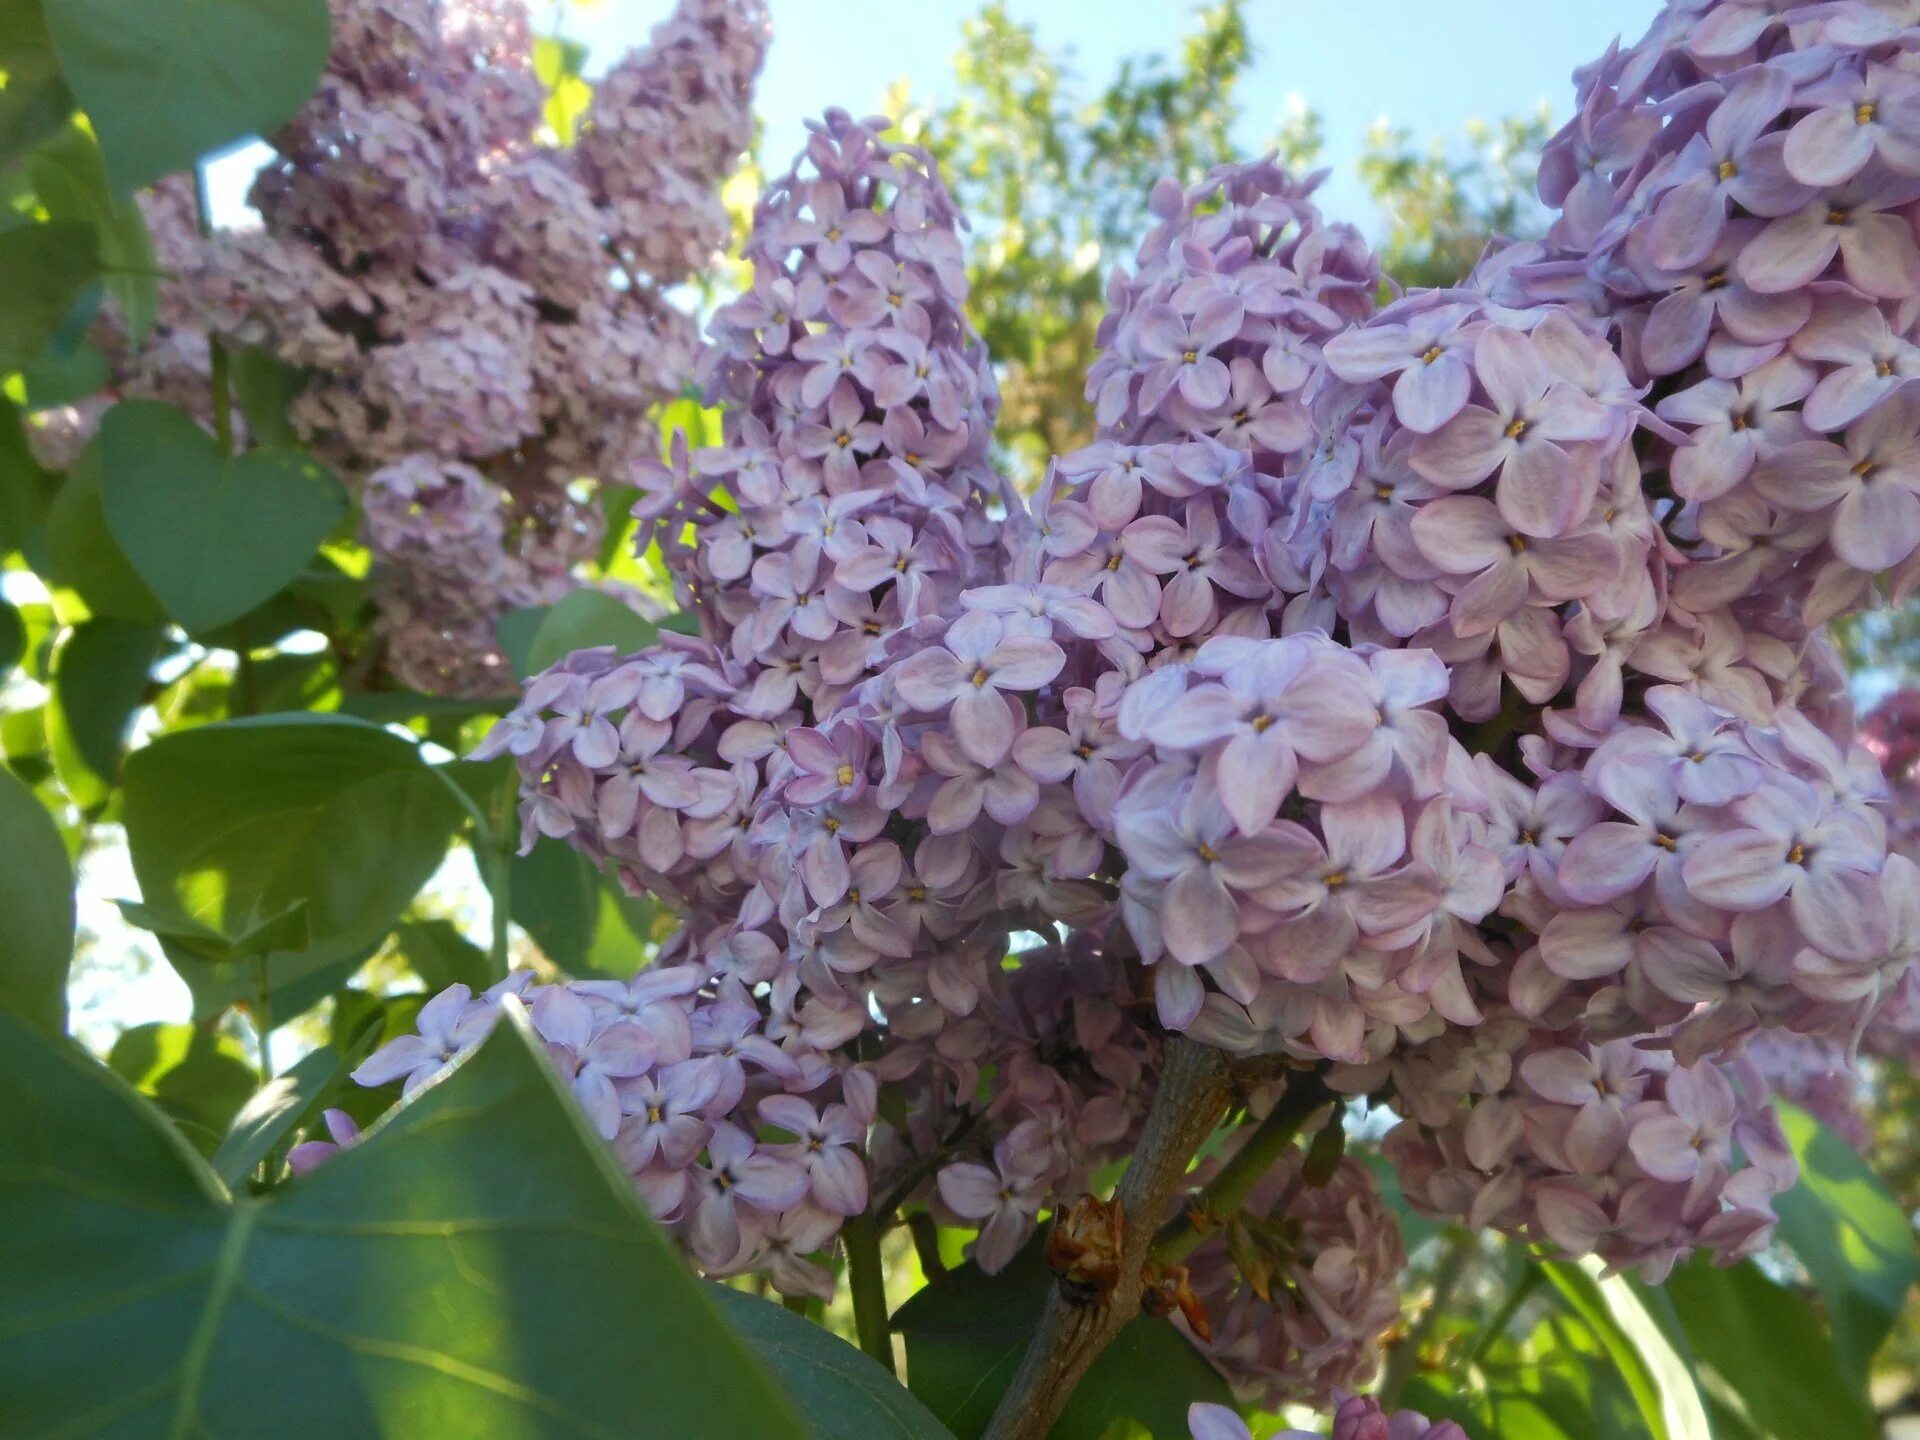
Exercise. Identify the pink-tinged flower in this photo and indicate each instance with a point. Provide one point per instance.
(1870, 480)
(1823, 859)
(1197, 557)
(842, 442)
(309, 1154)
(1089, 751)
(1735, 159)
(1352, 889)
(664, 1115)
(1430, 354)
(1529, 829)
(1409, 739)
(1591, 944)
(1275, 704)
(1868, 361)
(1544, 488)
(1698, 298)
(1109, 573)
(737, 1171)
(802, 1231)
(972, 675)
(581, 724)
(1732, 424)
(448, 1023)
(1184, 839)
(1706, 760)
(1257, 419)
(1694, 1130)
(1603, 1084)
(1859, 113)
(1863, 223)
(1003, 1199)
(1041, 610)
(1656, 838)
(657, 998)
(1506, 570)
(590, 1056)
(827, 765)
(823, 1147)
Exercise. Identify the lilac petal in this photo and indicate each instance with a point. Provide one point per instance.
(1737, 870)
(1256, 771)
(970, 1191)
(1178, 994)
(1791, 252)
(1663, 1145)
(1199, 916)
(1687, 224)
(1586, 944)
(1464, 451)
(1877, 525)
(1563, 1076)
(400, 1056)
(983, 726)
(1429, 394)
(930, 680)
(1881, 256)
(1828, 147)
(1605, 861)
(839, 1181)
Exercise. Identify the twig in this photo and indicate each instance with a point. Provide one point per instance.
(1228, 1190)
(1195, 1085)
(924, 1165)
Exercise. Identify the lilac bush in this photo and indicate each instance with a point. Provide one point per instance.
(484, 323)
(1433, 696)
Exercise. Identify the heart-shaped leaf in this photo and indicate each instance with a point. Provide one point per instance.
(477, 1266)
(213, 536)
(165, 84)
(232, 825)
(70, 178)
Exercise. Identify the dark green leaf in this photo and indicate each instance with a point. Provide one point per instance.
(166, 84)
(278, 1109)
(213, 536)
(967, 1330)
(35, 101)
(70, 177)
(100, 674)
(36, 908)
(477, 1266)
(13, 639)
(1760, 1354)
(842, 1392)
(82, 554)
(47, 267)
(264, 389)
(197, 1076)
(584, 619)
(1851, 1235)
(441, 956)
(515, 631)
(554, 895)
(286, 930)
(25, 489)
(233, 824)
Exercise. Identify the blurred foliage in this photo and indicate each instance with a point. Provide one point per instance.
(1054, 173)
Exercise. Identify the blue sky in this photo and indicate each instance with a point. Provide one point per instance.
(1430, 65)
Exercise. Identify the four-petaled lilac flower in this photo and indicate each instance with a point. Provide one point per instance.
(823, 1148)
(447, 1024)
(1005, 1198)
(737, 1170)
(972, 675)
(1183, 347)
(592, 1056)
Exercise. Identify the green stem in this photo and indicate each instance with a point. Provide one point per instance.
(867, 1284)
(926, 1243)
(1228, 1190)
(263, 1017)
(1405, 1356)
(1503, 1317)
(216, 351)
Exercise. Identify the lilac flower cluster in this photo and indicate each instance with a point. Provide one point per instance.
(484, 320)
(1358, 1417)
(1434, 697)
(1302, 1287)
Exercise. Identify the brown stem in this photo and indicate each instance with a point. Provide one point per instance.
(1195, 1085)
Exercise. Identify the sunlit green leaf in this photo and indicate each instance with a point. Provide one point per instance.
(36, 908)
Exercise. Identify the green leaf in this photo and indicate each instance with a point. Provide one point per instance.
(440, 955)
(166, 84)
(553, 894)
(557, 64)
(286, 930)
(583, 619)
(13, 639)
(264, 388)
(1760, 1354)
(967, 1331)
(199, 1078)
(1654, 1373)
(70, 177)
(36, 908)
(1851, 1235)
(35, 101)
(82, 554)
(477, 1266)
(276, 1110)
(100, 676)
(47, 267)
(213, 535)
(515, 631)
(233, 824)
(24, 488)
(843, 1393)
